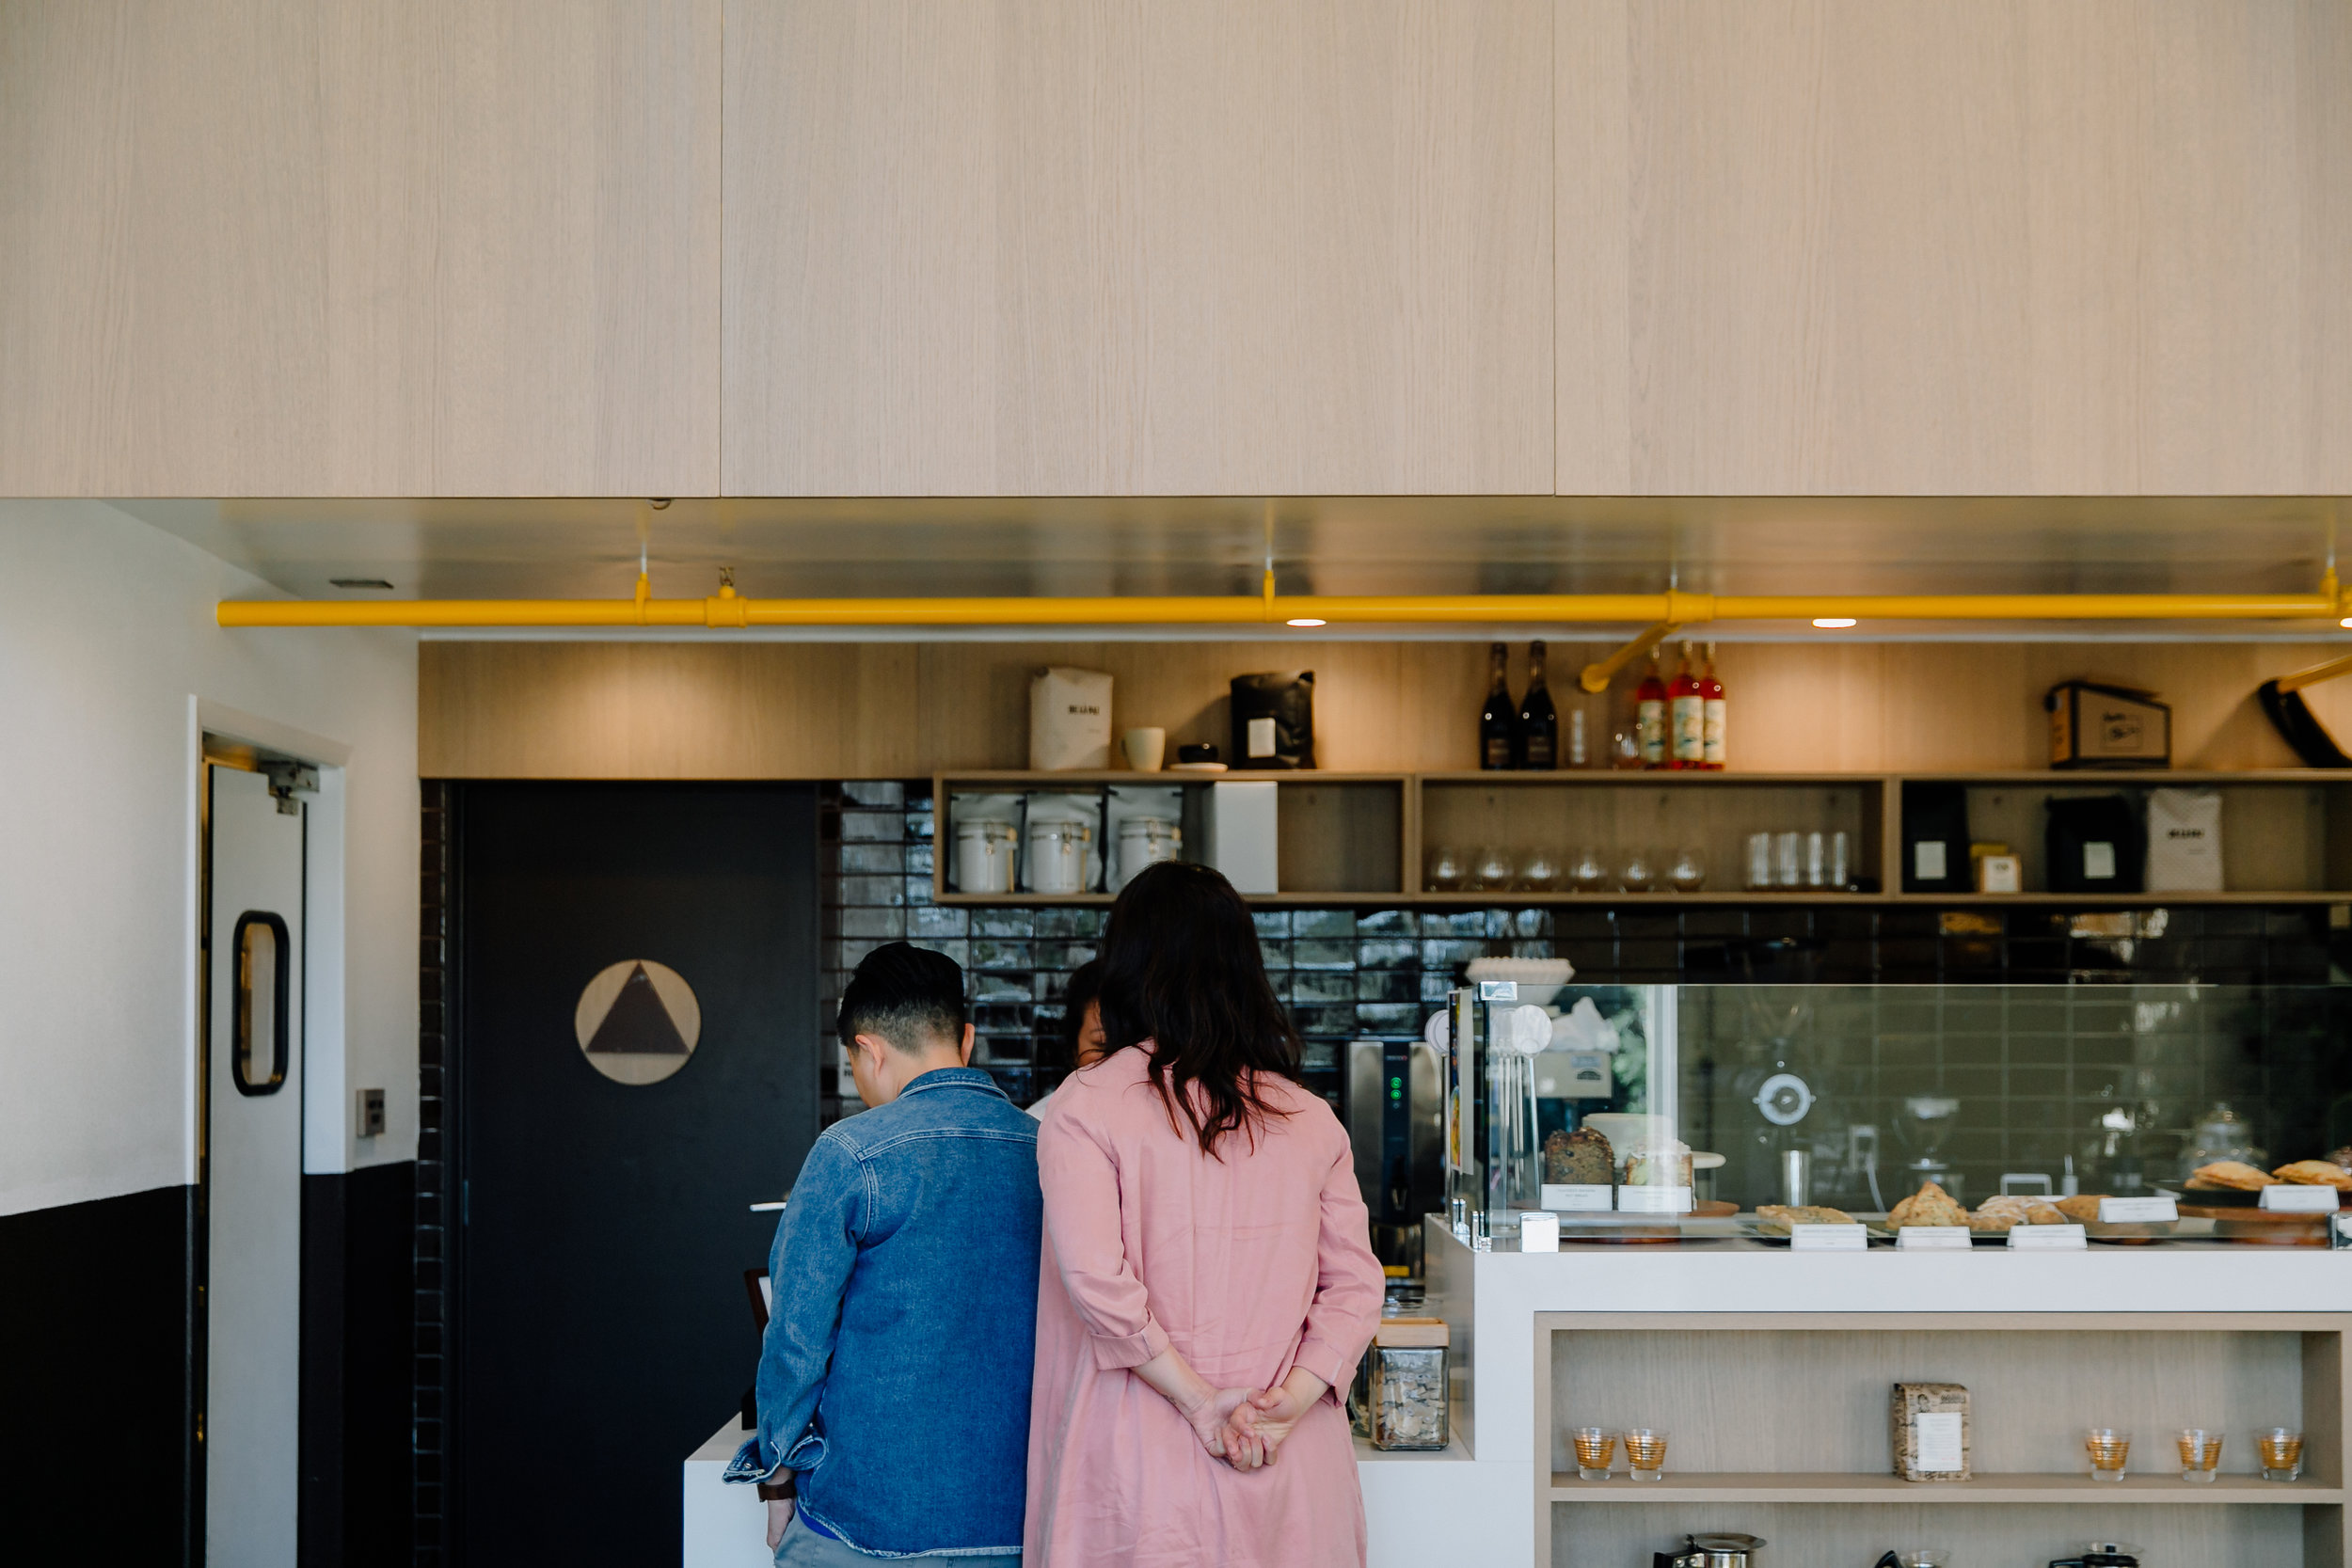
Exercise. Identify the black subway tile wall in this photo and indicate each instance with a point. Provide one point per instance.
(2039, 1017)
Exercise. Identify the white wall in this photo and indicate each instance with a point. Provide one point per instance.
(106, 647)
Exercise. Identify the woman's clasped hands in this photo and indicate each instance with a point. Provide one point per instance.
(1256, 1427)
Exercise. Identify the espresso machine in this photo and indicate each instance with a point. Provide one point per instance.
(1393, 1097)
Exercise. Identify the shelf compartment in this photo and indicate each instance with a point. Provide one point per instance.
(1774, 1486)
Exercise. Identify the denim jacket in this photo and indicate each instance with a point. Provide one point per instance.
(895, 1374)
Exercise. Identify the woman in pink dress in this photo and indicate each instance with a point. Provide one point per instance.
(1207, 1286)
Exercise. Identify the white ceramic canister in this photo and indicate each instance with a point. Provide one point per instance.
(1057, 856)
(984, 856)
(1145, 841)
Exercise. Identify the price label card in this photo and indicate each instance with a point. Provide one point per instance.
(1539, 1232)
(2289, 1199)
(1827, 1238)
(1654, 1200)
(2047, 1237)
(2138, 1210)
(1932, 1238)
(1578, 1197)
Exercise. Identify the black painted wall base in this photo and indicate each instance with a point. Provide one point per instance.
(357, 1274)
(94, 1378)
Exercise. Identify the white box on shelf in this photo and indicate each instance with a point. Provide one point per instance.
(1539, 1232)
(1242, 837)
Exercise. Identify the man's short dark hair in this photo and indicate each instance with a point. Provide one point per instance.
(910, 996)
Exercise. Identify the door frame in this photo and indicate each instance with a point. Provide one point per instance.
(224, 736)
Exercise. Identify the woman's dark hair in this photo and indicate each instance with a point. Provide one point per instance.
(1182, 969)
(1085, 985)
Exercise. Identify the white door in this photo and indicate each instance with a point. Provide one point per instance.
(254, 1176)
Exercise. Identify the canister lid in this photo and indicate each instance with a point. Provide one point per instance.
(1411, 1334)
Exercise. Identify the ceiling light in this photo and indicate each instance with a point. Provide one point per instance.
(1833, 623)
(2345, 622)
(358, 582)
(1317, 620)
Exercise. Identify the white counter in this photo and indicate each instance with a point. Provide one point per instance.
(1469, 1507)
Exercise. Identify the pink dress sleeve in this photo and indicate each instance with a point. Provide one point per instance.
(1082, 1230)
(1349, 1283)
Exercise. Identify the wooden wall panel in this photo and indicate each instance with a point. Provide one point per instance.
(741, 709)
(319, 247)
(1238, 247)
(1955, 247)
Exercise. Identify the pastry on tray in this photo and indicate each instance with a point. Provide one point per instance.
(2229, 1176)
(1581, 1156)
(2083, 1208)
(2316, 1173)
(1780, 1217)
(1929, 1205)
(1997, 1214)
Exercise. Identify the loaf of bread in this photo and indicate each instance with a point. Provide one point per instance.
(1581, 1158)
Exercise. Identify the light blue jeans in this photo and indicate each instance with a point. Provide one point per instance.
(802, 1547)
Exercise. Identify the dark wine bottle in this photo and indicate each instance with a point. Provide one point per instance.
(1539, 722)
(1498, 720)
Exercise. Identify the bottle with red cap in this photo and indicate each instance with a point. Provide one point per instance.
(1686, 718)
(1716, 713)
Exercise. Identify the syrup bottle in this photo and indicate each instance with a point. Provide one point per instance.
(1716, 715)
(1649, 715)
(1686, 718)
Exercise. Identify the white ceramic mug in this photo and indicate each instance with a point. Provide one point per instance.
(1144, 748)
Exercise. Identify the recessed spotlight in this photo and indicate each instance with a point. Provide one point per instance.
(358, 582)
(1833, 623)
(2345, 622)
(1317, 621)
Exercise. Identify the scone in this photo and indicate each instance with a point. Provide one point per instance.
(2231, 1176)
(2038, 1213)
(1990, 1224)
(2316, 1173)
(1929, 1205)
(2082, 1208)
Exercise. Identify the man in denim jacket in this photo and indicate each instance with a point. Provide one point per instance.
(893, 1381)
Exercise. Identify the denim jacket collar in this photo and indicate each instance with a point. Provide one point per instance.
(952, 1077)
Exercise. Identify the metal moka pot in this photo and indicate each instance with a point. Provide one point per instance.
(1712, 1551)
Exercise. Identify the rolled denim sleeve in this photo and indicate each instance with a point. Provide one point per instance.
(808, 1268)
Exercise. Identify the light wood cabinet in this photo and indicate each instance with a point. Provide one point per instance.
(1229, 246)
(1954, 247)
(359, 247)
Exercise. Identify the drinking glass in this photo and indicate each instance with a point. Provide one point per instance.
(1759, 862)
(1625, 750)
(1540, 870)
(2109, 1447)
(1638, 872)
(1787, 860)
(1594, 1448)
(1687, 871)
(1444, 870)
(1588, 871)
(1646, 1452)
(1924, 1557)
(2282, 1454)
(1815, 860)
(2200, 1454)
(1840, 876)
(1492, 870)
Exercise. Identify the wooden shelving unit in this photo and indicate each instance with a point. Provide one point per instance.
(1364, 837)
(1736, 1390)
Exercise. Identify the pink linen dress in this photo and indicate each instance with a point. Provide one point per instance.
(1249, 1265)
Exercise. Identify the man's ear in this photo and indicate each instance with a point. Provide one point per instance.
(873, 1046)
(967, 1045)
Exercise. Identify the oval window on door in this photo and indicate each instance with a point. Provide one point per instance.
(257, 1047)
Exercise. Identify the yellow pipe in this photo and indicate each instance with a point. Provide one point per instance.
(726, 609)
(1596, 676)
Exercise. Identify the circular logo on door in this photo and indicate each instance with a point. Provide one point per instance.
(638, 1022)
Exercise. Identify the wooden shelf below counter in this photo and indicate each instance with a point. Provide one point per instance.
(1767, 1486)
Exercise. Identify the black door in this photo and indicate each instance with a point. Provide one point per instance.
(601, 1326)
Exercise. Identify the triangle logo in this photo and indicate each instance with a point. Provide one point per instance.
(638, 1023)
